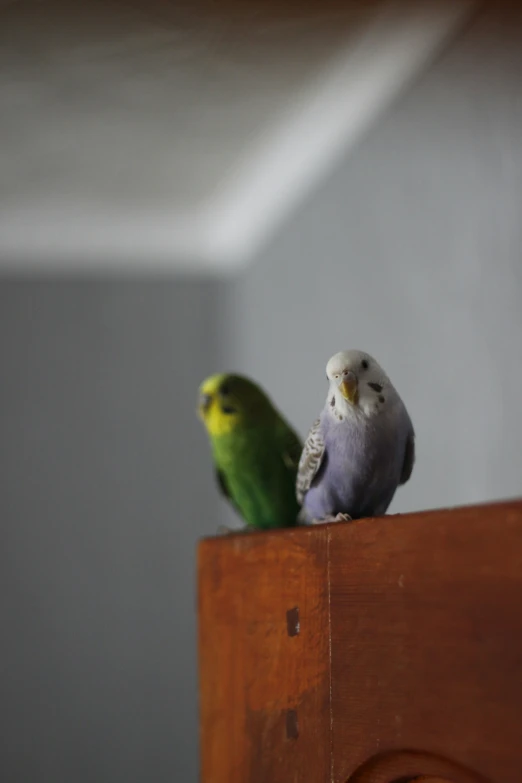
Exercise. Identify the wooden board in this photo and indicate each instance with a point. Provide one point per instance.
(407, 662)
(264, 657)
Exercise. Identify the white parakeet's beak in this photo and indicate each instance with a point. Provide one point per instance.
(348, 386)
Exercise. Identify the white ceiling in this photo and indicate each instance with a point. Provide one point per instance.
(158, 135)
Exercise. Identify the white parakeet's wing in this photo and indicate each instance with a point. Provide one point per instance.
(310, 462)
(409, 459)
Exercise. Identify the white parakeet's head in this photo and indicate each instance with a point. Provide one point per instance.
(357, 382)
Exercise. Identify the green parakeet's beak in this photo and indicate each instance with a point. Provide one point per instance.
(349, 387)
(204, 403)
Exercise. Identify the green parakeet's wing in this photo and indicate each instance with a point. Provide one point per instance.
(292, 449)
(222, 484)
(310, 462)
(220, 479)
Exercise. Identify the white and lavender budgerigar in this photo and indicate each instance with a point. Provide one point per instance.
(360, 449)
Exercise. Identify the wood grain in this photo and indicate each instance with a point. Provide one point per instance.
(264, 657)
(379, 651)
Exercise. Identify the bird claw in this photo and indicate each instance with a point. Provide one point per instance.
(331, 518)
(223, 530)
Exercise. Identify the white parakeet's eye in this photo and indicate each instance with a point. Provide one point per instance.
(364, 364)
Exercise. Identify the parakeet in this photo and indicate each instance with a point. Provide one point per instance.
(360, 449)
(255, 451)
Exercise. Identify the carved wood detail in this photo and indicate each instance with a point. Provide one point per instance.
(409, 766)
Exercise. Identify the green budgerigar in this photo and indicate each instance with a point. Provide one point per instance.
(256, 452)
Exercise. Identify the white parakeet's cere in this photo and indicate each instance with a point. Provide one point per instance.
(360, 449)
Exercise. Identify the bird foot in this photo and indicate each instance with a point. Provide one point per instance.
(223, 530)
(331, 518)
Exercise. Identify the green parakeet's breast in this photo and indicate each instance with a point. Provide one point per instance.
(257, 470)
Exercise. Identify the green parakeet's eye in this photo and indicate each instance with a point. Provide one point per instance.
(224, 392)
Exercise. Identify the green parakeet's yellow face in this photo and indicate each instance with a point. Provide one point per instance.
(228, 402)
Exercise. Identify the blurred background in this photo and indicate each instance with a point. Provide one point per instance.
(408, 246)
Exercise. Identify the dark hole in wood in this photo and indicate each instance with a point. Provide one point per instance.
(292, 621)
(292, 728)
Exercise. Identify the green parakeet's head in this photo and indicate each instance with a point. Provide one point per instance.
(229, 402)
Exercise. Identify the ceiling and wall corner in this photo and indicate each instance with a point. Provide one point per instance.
(145, 136)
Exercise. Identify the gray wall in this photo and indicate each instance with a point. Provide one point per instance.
(103, 499)
(412, 251)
